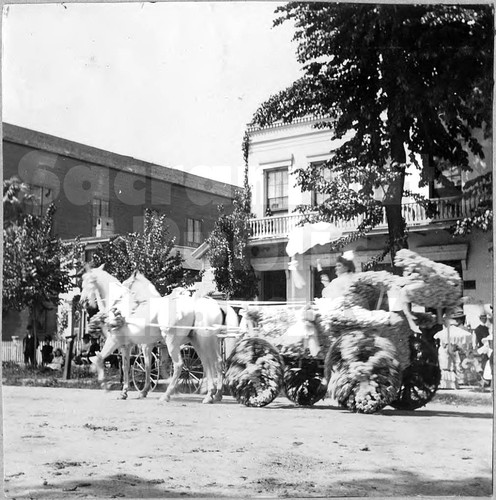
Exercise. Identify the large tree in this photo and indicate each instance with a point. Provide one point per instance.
(150, 252)
(391, 82)
(37, 266)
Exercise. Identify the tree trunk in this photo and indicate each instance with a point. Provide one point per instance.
(393, 199)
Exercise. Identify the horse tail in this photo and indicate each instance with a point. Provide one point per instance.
(230, 320)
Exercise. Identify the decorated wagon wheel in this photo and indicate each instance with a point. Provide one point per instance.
(190, 380)
(420, 379)
(366, 376)
(254, 372)
(138, 370)
(303, 381)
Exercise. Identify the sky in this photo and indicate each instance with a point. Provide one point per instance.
(169, 83)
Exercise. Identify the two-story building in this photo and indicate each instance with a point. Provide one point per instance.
(276, 151)
(99, 194)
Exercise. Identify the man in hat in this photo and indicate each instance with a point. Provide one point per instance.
(30, 346)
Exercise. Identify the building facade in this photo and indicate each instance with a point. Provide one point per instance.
(99, 194)
(276, 151)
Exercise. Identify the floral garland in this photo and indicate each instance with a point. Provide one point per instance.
(428, 283)
(366, 371)
(117, 321)
(390, 325)
(95, 325)
(255, 372)
(370, 289)
(369, 346)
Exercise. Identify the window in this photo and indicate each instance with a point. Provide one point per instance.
(194, 233)
(319, 198)
(452, 182)
(42, 196)
(452, 187)
(277, 190)
(100, 208)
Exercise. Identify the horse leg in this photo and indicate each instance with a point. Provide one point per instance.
(207, 349)
(147, 355)
(174, 347)
(125, 356)
(109, 347)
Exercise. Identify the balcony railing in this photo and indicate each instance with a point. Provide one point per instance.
(447, 210)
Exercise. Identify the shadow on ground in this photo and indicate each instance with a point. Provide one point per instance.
(394, 484)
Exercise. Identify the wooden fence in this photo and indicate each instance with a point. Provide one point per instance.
(13, 350)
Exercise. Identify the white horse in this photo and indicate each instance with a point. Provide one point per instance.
(210, 318)
(138, 315)
(104, 292)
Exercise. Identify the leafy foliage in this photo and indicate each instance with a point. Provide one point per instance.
(390, 82)
(151, 253)
(480, 190)
(228, 252)
(37, 266)
(15, 197)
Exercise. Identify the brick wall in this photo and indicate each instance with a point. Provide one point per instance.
(73, 184)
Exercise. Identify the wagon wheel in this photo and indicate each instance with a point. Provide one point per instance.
(254, 372)
(365, 373)
(191, 378)
(303, 381)
(138, 371)
(421, 379)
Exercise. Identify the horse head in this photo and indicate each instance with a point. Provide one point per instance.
(90, 292)
(100, 290)
(141, 287)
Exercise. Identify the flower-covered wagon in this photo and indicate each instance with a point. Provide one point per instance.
(367, 352)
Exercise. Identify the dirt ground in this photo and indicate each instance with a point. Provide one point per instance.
(81, 443)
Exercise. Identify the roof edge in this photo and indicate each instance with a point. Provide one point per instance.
(65, 147)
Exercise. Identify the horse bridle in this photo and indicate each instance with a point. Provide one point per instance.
(101, 301)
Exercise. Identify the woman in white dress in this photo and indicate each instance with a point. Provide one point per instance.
(345, 270)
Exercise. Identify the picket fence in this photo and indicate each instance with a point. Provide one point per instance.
(12, 351)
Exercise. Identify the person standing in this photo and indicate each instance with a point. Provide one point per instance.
(481, 331)
(30, 346)
(487, 350)
(46, 352)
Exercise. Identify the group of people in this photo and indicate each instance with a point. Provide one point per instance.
(54, 359)
(50, 358)
(465, 356)
(89, 347)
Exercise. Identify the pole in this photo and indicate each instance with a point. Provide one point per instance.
(68, 358)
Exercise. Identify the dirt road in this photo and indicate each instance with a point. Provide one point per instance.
(79, 443)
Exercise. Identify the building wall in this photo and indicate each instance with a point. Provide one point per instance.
(75, 182)
(296, 145)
